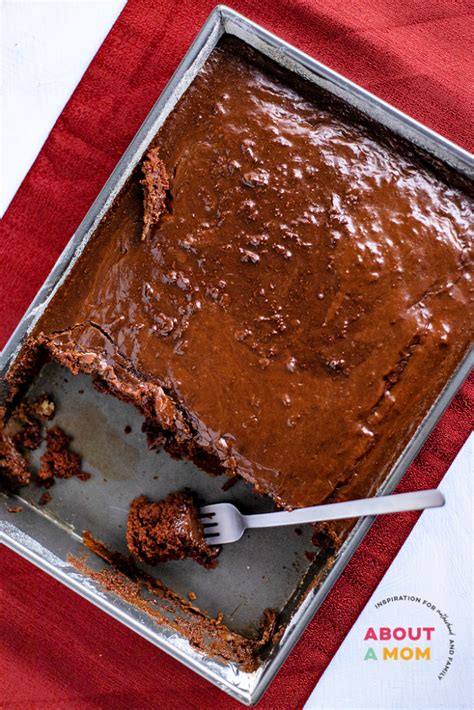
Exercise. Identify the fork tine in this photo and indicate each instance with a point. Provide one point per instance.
(222, 523)
(208, 509)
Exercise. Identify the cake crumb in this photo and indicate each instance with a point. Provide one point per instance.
(58, 461)
(192, 596)
(27, 434)
(28, 416)
(15, 509)
(83, 475)
(229, 483)
(45, 498)
(29, 437)
(44, 407)
(14, 471)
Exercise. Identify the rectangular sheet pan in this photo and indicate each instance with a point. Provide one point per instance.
(47, 536)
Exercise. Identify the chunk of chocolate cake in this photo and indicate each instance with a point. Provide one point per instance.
(169, 529)
(58, 461)
(156, 184)
(13, 467)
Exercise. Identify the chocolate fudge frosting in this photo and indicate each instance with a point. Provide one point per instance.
(298, 299)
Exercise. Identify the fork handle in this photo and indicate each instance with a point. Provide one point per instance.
(377, 505)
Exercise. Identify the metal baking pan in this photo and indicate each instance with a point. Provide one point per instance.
(122, 466)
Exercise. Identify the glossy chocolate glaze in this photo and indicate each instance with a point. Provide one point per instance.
(302, 299)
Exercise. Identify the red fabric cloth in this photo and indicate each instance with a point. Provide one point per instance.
(56, 650)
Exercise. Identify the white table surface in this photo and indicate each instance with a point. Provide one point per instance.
(46, 45)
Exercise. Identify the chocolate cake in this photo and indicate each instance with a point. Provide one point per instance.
(169, 529)
(22, 433)
(14, 471)
(282, 288)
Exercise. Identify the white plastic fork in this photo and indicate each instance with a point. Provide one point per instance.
(224, 523)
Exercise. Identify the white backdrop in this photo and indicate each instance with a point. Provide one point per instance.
(434, 565)
(46, 45)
